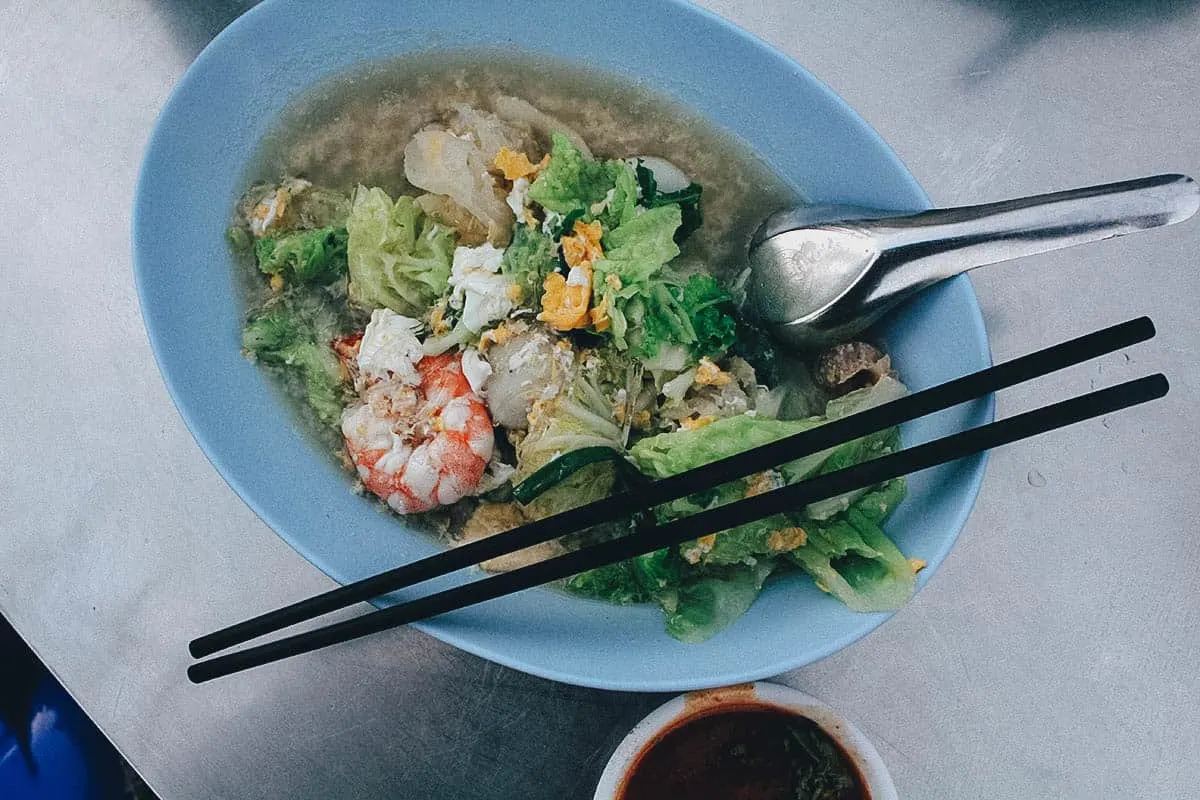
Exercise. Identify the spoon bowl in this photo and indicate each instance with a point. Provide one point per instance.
(824, 273)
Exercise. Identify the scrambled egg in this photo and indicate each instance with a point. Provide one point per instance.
(703, 545)
(437, 318)
(583, 246)
(497, 335)
(515, 165)
(692, 423)
(565, 300)
(763, 482)
(270, 212)
(786, 539)
(709, 374)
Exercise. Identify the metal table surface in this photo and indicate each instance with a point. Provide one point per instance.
(1052, 656)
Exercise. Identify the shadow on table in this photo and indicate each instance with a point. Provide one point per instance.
(196, 22)
(1031, 20)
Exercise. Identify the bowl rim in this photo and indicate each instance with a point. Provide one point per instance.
(971, 482)
(693, 705)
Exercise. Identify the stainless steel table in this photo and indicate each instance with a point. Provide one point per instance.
(1054, 655)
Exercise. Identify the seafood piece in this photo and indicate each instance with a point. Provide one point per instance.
(421, 443)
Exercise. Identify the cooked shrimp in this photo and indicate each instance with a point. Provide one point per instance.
(417, 447)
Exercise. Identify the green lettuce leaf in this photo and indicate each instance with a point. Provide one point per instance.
(571, 182)
(570, 421)
(307, 257)
(399, 258)
(658, 573)
(708, 306)
(851, 558)
(613, 583)
(293, 332)
(625, 280)
(527, 261)
(671, 453)
(847, 455)
(711, 602)
(859, 450)
(646, 240)
(878, 504)
(622, 202)
(646, 298)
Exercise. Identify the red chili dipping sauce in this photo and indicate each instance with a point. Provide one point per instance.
(744, 752)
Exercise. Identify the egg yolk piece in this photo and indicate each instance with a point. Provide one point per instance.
(565, 300)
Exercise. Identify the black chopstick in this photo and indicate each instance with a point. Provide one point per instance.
(637, 499)
(788, 498)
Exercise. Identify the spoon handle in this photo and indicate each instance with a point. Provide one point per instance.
(941, 243)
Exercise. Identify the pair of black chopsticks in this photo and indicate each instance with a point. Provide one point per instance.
(640, 498)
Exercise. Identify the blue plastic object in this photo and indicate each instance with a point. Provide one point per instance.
(49, 750)
(192, 176)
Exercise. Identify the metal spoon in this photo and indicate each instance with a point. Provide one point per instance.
(821, 274)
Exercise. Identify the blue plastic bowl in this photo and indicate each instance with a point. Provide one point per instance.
(192, 175)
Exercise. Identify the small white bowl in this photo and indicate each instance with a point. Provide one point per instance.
(861, 752)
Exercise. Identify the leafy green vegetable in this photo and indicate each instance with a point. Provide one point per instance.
(847, 553)
(671, 453)
(622, 203)
(667, 311)
(707, 307)
(847, 455)
(646, 241)
(745, 544)
(687, 198)
(851, 558)
(614, 583)
(854, 558)
(527, 261)
(709, 603)
(573, 420)
(293, 331)
(399, 258)
(649, 305)
(878, 504)
(658, 573)
(659, 319)
(310, 257)
(859, 450)
(558, 469)
(571, 181)
(625, 279)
